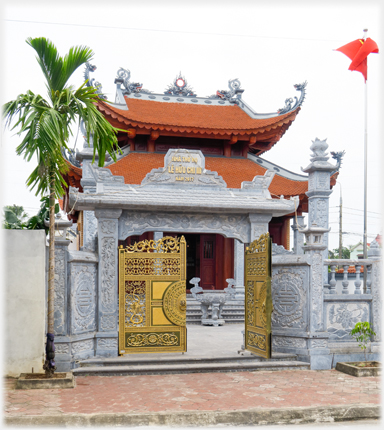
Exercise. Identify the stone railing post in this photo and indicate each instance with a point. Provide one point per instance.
(298, 237)
(108, 310)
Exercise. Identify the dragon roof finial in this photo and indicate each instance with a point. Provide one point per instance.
(298, 102)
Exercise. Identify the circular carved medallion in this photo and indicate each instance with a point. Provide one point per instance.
(287, 298)
(175, 303)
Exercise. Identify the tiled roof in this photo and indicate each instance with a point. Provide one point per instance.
(234, 171)
(209, 119)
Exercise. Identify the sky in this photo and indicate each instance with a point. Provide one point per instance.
(268, 46)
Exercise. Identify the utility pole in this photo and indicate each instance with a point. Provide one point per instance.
(340, 225)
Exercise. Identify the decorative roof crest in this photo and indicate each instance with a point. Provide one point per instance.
(123, 76)
(298, 102)
(90, 82)
(233, 94)
(180, 87)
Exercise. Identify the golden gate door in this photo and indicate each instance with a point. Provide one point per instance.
(152, 296)
(258, 296)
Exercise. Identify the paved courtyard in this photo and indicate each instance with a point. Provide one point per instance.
(240, 392)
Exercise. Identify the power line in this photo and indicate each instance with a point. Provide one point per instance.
(354, 209)
(171, 31)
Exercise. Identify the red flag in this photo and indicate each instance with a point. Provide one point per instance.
(358, 51)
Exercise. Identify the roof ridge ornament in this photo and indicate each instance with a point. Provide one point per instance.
(90, 82)
(180, 87)
(123, 78)
(298, 102)
(234, 93)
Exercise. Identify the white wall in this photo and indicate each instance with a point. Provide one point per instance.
(24, 295)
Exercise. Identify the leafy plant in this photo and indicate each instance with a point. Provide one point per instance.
(362, 333)
(37, 221)
(15, 219)
(45, 126)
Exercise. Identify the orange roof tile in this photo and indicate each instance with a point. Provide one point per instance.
(234, 171)
(193, 118)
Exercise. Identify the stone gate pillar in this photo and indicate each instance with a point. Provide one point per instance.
(108, 309)
(259, 225)
(319, 174)
(89, 186)
(317, 343)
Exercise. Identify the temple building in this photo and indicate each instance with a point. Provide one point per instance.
(229, 134)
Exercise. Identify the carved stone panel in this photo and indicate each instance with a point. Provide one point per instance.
(289, 296)
(107, 343)
(376, 288)
(89, 230)
(288, 342)
(61, 348)
(137, 223)
(316, 303)
(60, 323)
(83, 345)
(341, 317)
(83, 297)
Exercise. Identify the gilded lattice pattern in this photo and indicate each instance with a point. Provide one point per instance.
(259, 245)
(162, 261)
(256, 340)
(135, 287)
(175, 303)
(262, 304)
(159, 266)
(250, 303)
(135, 315)
(166, 244)
(257, 266)
(152, 339)
(258, 296)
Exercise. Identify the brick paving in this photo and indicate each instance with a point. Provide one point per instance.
(233, 391)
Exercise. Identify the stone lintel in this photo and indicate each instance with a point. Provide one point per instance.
(82, 256)
(108, 213)
(291, 260)
(318, 193)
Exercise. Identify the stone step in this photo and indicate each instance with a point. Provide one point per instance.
(186, 367)
(179, 358)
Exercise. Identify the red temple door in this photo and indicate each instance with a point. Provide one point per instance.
(208, 261)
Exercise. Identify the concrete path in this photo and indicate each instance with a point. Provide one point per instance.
(209, 399)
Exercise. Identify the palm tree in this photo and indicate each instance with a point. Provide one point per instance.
(46, 127)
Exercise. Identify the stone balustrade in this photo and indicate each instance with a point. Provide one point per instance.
(350, 277)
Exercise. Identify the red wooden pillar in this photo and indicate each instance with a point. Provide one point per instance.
(131, 138)
(285, 233)
(151, 141)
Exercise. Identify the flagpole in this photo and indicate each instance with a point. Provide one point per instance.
(365, 172)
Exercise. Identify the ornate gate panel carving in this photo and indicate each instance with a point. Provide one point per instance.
(152, 296)
(258, 296)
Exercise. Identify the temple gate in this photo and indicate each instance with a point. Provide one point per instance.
(258, 296)
(152, 298)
